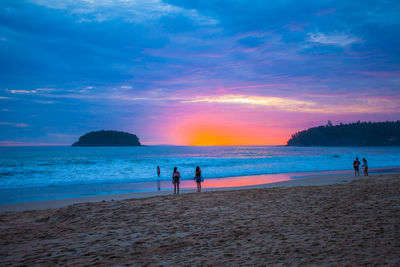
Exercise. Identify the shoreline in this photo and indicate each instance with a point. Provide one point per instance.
(216, 184)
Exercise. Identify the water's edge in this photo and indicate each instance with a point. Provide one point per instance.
(23, 195)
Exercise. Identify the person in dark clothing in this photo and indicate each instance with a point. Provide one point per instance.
(198, 178)
(356, 166)
(158, 180)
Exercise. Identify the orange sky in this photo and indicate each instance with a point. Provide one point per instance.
(213, 130)
(213, 134)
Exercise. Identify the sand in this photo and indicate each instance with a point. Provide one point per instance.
(350, 224)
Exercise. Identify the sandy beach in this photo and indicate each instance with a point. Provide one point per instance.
(350, 224)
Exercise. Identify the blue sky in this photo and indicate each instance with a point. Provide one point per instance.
(162, 69)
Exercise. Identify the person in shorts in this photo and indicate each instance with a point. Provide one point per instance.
(198, 178)
(175, 180)
(356, 166)
(365, 165)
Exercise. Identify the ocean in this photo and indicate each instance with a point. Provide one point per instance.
(28, 168)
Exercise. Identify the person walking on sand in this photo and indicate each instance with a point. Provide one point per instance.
(356, 166)
(365, 165)
(175, 180)
(198, 178)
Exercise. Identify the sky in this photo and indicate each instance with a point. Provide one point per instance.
(194, 72)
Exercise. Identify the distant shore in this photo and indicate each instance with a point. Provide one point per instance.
(148, 189)
(347, 223)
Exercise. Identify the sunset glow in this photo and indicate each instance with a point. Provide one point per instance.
(214, 127)
(214, 134)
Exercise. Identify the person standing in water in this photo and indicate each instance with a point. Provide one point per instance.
(158, 181)
(175, 180)
(198, 178)
(365, 165)
(356, 166)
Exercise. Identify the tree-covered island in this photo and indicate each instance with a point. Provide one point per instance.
(353, 134)
(108, 138)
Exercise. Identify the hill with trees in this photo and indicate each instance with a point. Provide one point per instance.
(353, 134)
(108, 138)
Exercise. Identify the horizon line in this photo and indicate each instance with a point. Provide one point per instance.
(70, 145)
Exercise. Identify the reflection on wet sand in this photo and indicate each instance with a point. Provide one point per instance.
(237, 181)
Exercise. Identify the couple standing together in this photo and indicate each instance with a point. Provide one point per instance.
(356, 166)
(176, 176)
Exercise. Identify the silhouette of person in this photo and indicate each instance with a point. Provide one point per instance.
(198, 178)
(356, 166)
(365, 165)
(158, 181)
(175, 180)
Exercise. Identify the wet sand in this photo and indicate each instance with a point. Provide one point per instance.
(221, 184)
(354, 224)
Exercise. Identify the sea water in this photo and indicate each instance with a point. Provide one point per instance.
(25, 167)
(47, 166)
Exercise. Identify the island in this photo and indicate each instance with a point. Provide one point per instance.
(353, 134)
(108, 138)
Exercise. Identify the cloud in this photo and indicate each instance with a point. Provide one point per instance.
(44, 102)
(339, 39)
(19, 125)
(131, 11)
(282, 103)
(359, 105)
(22, 91)
(34, 91)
